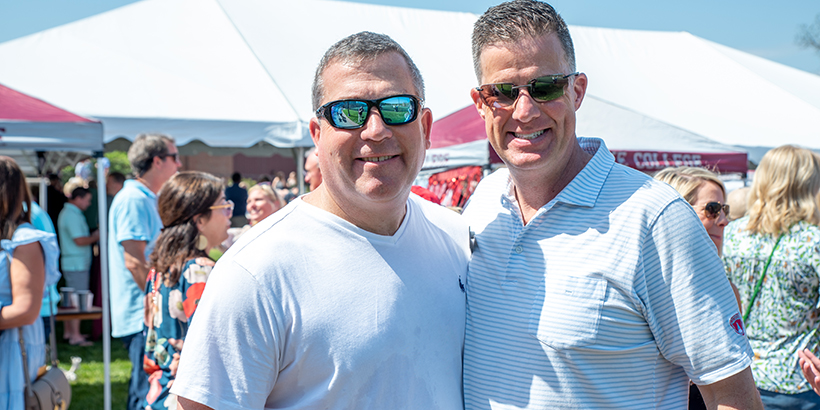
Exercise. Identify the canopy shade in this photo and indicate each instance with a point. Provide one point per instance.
(239, 72)
(27, 123)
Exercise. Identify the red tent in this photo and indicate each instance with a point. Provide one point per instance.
(27, 123)
(637, 141)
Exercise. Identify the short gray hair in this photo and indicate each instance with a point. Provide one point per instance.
(516, 20)
(143, 150)
(359, 47)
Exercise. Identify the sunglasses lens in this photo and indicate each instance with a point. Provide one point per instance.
(398, 110)
(348, 114)
(547, 90)
(713, 209)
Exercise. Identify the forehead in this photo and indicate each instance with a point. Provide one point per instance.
(522, 60)
(383, 76)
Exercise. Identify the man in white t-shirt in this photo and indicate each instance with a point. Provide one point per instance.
(592, 286)
(350, 296)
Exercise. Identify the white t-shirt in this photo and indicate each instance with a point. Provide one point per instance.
(309, 311)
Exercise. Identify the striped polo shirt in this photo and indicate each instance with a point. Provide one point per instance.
(611, 297)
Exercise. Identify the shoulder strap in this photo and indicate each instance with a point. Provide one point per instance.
(760, 283)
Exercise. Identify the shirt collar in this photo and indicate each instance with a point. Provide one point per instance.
(141, 187)
(585, 188)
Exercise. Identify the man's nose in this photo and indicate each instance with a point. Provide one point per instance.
(525, 108)
(374, 127)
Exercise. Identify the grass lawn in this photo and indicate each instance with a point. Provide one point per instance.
(87, 392)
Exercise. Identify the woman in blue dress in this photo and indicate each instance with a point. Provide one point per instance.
(28, 263)
(196, 217)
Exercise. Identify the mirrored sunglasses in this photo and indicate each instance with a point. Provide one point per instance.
(542, 89)
(713, 209)
(227, 207)
(352, 114)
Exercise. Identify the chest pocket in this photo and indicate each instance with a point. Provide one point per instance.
(567, 310)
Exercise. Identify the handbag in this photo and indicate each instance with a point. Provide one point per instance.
(51, 389)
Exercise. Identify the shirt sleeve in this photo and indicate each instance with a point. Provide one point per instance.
(133, 221)
(690, 306)
(231, 355)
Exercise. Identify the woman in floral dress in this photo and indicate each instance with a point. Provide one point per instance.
(196, 217)
(781, 231)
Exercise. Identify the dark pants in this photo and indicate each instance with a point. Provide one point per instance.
(801, 401)
(138, 385)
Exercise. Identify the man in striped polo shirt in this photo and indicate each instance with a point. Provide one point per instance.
(592, 286)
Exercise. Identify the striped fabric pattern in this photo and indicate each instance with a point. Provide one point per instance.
(612, 297)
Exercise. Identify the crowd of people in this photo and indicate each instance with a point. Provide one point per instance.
(569, 281)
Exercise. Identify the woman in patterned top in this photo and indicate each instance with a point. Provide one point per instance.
(773, 255)
(196, 217)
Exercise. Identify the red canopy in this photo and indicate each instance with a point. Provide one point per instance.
(465, 126)
(16, 106)
(27, 123)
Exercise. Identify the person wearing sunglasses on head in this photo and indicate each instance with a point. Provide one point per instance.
(591, 285)
(349, 297)
(773, 256)
(196, 217)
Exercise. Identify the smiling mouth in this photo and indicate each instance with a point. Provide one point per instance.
(534, 135)
(378, 159)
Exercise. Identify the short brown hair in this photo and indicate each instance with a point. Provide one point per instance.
(515, 20)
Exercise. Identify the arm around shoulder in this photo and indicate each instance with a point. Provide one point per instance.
(734, 392)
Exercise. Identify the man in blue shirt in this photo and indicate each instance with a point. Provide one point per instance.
(75, 252)
(135, 224)
(591, 285)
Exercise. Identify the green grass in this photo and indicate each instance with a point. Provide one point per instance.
(87, 392)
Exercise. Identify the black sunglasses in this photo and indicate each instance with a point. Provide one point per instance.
(543, 89)
(352, 114)
(175, 155)
(713, 209)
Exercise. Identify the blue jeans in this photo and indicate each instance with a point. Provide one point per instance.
(801, 401)
(138, 385)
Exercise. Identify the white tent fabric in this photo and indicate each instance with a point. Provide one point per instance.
(699, 86)
(237, 72)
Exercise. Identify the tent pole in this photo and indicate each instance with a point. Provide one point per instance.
(102, 204)
(300, 168)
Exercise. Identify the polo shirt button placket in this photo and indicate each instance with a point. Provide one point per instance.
(519, 249)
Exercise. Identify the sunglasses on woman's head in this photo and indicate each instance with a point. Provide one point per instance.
(713, 209)
(542, 89)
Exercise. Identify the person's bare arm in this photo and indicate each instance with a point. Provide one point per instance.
(735, 392)
(185, 404)
(27, 272)
(134, 252)
(810, 365)
(87, 240)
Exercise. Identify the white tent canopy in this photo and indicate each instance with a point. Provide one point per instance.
(238, 72)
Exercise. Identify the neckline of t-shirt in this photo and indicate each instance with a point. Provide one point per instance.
(322, 214)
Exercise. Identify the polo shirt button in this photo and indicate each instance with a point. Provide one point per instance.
(519, 249)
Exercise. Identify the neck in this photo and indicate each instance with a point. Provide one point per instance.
(381, 219)
(151, 182)
(536, 188)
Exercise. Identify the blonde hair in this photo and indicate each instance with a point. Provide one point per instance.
(687, 180)
(784, 190)
(269, 193)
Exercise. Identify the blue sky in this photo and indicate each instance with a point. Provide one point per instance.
(764, 28)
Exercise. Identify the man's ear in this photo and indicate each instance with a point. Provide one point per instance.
(315, 132)
(579, 87)
(479, 103)
(427, 126)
